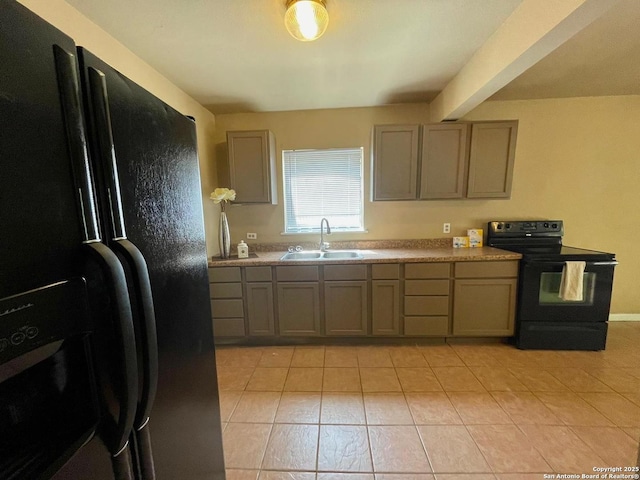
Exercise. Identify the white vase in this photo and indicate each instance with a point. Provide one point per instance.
(223, 236)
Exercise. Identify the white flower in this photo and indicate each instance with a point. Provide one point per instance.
(223, 195)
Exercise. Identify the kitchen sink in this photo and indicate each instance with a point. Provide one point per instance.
(332, 255)
(301, 256)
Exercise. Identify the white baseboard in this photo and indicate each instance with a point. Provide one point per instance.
(624, 317)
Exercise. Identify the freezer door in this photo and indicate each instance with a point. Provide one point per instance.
(41, 235)
(49, 224)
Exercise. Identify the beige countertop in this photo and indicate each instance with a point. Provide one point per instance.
(377, 255)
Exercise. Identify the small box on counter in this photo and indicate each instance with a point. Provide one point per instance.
(475, 237)
(460, 242)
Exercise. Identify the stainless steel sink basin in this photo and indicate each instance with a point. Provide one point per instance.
(301, 256)
(337, 255)
(332, 255)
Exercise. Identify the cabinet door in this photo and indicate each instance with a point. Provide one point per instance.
(345, 308)
(252, 166)
(491, 157)
(444, 157)
(299, 308)
(260, 308)
(395, 162)
(484, 307)
(385, 307)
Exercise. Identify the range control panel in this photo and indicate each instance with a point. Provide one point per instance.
(526, 228)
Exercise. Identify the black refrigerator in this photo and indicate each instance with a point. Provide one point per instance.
(107, 361)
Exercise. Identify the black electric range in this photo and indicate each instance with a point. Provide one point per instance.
(544, 318)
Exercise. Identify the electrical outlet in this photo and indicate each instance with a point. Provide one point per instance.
(252, 236)
(446, 228)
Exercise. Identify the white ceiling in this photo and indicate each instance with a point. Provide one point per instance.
(236, 56)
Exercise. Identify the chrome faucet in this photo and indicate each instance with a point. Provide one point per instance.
(324, 245)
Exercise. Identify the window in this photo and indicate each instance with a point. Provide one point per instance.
(323, 183)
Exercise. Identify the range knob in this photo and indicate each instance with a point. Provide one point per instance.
(507, 226)
(546, 224)
(554, 225)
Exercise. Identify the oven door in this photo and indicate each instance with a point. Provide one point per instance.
(539, 293)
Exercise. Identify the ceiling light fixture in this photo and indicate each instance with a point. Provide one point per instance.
(306, 20)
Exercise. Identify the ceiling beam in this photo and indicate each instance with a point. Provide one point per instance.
(532, 31)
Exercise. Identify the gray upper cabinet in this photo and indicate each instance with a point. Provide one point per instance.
(252, 168)
(395, 153)
(444, 160)
(491, 157)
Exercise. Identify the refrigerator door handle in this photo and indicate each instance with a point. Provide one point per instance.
(69, 85)
(104, 133)
(146, 335)
(143, 452)
(122, 466)
(146, 328)
(145, 314)
(126, 346)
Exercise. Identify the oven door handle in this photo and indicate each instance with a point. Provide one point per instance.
(611, 263)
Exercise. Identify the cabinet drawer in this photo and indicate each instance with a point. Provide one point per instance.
(436, 325)
(384, 271)
(427, 270)
(486, 269)
(258, 274)
(228, 327)
(345, 272)
(426, 287)
(227, 308)
(224, 274)
(306, 273)
(225, 290)
(426, 305)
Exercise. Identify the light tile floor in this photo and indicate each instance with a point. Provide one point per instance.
(441, 412)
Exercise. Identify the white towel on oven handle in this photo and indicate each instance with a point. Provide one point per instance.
(571, 283)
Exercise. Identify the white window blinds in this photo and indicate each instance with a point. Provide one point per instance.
(323, 183)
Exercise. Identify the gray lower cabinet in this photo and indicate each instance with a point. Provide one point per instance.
(484, 307)
(385, 299)
(475, 298)
(260, 308)
(345, 308)
(259, 301)
(299, 308)
(227, 309)
(385, 307)
(484, 298)
(426, 299)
